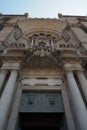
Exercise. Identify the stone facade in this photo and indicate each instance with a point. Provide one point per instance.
(43, 57)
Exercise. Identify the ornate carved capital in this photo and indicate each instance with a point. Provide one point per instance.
(9, 66)
(72, 67)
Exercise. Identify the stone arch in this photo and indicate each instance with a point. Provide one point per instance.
(42, 47)
(38, 36)
(29, 32)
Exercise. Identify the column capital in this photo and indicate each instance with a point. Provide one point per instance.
(72, 67)
(10, 66)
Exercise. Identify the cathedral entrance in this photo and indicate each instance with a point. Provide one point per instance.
(41, 121)
(42, 111)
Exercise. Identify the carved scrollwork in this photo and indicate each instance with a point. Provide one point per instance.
(17, 45)
(19, 41)
(13, 45)
(3, 46)
(64, 45)
(21, 45)
(42, 51)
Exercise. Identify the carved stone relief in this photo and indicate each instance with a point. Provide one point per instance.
(42, 41)
(15, 40)
(66, 35)
(71, 42)
(42, 44)
(41, 49)
(3, 45)
(76, 45)
(17, 33)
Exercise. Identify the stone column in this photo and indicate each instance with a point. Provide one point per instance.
(78, 104)
(83, 83)
(6, 99)
(14, 120)
(68, 112)
(2, 77)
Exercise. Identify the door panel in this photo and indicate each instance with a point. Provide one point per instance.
(54, 102)
(31, 102)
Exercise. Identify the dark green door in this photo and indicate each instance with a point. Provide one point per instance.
(41, 102)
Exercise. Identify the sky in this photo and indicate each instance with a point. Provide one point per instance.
(44, 8)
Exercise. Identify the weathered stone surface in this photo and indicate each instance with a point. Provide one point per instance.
(80, 34)
(84, 24)
(5, 32)
(42, 51)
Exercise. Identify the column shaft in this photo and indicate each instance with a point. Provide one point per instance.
(83, 83)
(2, 77)
(6, 99)
(78, 104)
(68, 113)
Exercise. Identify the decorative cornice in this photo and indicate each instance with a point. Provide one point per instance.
(11, 57)
(13, 15)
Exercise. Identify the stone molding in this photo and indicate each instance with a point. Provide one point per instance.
(59, 81)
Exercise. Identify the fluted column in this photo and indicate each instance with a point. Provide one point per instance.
(78, 104)
(6, 99)
(2, 77)
(83, 83)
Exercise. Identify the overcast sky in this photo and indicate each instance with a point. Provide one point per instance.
(44, 8)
